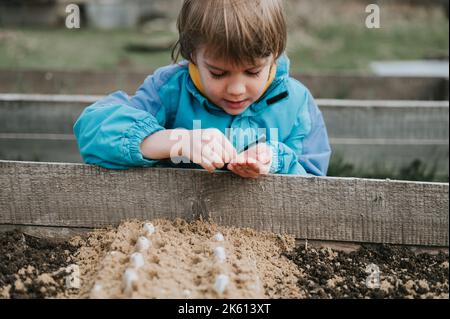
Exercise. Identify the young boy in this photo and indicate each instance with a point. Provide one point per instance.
(229, 105)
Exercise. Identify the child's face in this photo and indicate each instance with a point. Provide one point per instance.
(233, 88)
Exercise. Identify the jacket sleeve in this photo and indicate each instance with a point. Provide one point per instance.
(109, 132)
(303, 154)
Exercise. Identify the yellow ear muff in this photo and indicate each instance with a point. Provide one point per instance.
(273, 72)
(195, 76)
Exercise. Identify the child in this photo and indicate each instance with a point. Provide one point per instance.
(229, 105)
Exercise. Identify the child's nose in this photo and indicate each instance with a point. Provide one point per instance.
(236, 88)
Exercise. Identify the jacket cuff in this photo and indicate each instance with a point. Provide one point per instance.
(276, 159)
(134, 137)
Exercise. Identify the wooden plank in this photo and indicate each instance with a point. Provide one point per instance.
(23, 113)
(338, 86)
(388, 136)
(366, 159)
(360, 86)
(336, 209)
(365, 134)
(69, 82)
(389, 159)
(389, 120)
(39, 148)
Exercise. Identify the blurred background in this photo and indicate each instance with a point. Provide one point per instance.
(383, 91)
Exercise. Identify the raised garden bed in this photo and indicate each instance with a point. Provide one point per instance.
(181, 256)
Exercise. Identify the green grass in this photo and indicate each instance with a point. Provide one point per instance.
(328, 47)
(76, 50)
(346, 47)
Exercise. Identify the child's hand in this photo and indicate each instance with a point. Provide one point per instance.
(254, 162)
(209, 148)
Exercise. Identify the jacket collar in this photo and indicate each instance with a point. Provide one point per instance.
(275, 92)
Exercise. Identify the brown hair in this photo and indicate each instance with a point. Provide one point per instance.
(237, 31)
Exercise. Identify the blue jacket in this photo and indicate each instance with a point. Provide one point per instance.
(110, 131)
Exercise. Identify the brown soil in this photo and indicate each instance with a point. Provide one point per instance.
(401, 273)
(181, 262)
(32, 267)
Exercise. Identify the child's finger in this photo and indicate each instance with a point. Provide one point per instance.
(212, 157)
(206, 164)
(234, 169)
(247, 157)
(259, 168)
(240, 159)
(239, 170)
(250, 168)
(227, 157)
(250, 159)
(251, 173)
(229, 148)
(244, 173)
(254, 167)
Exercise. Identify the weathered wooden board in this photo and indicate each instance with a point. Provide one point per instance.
(338, 86)
(366, 158)
(369, 135)
(23, 113)
(336, 209)
(39, 148)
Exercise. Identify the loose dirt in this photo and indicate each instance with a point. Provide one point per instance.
(203, 260)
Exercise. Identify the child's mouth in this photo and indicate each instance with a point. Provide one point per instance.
(235, 104)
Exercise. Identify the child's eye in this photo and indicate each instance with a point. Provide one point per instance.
(253, 74)
(217, 75)
(221, 75)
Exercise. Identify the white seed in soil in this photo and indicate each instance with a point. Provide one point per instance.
(97, 292)
(148, 229)
(219, 237)
(129, 280)
(142, 244)
(73, 278)
(256, 286)
(220, 254)
(137, 260)
(98, 288)
(221, 284)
